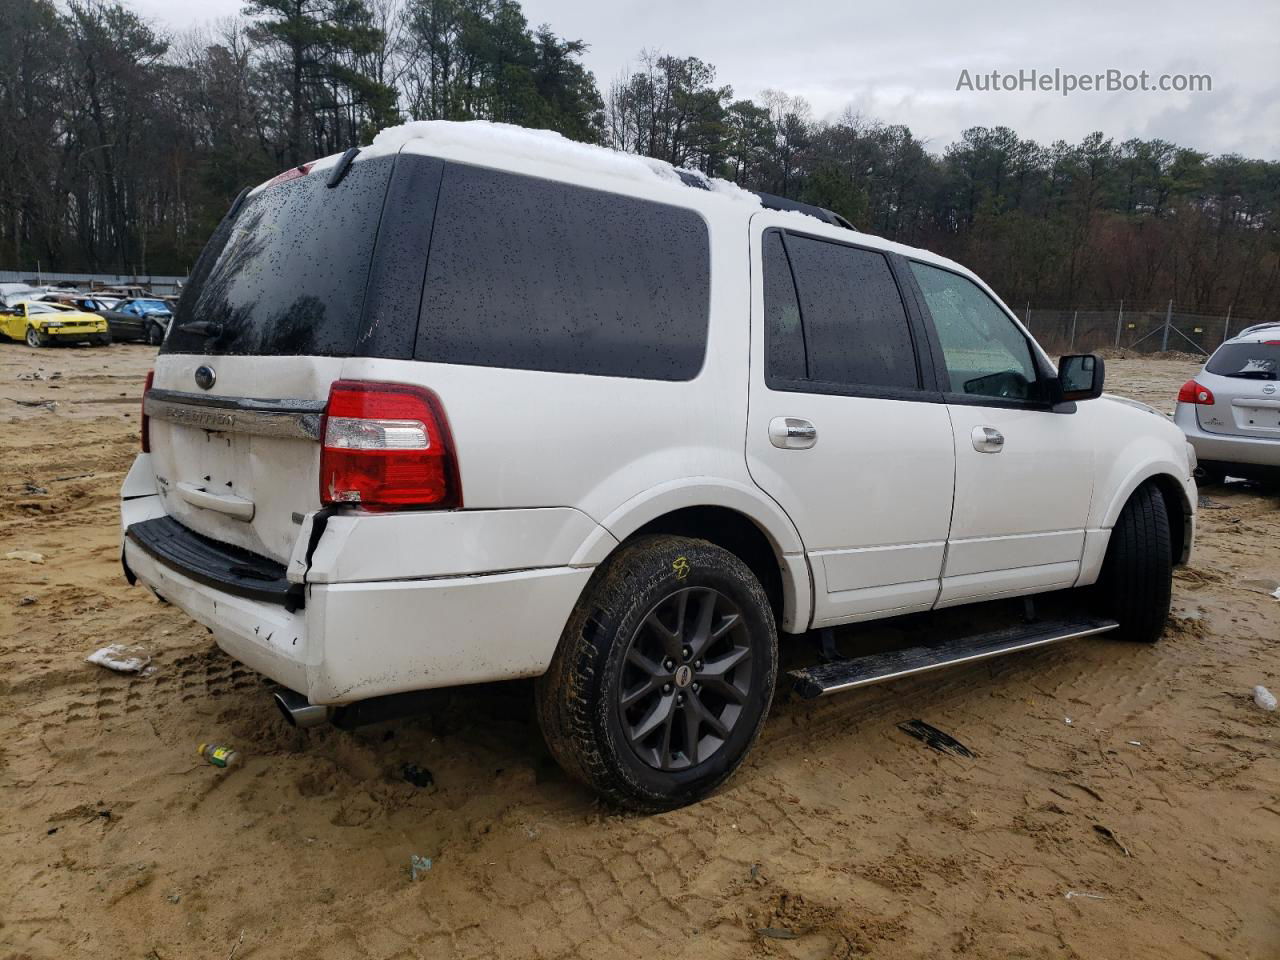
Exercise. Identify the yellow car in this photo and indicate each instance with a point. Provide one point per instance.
(43, 324)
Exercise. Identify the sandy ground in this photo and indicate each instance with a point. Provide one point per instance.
(1145, 825)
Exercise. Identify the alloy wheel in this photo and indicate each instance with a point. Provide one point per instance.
(685, 679)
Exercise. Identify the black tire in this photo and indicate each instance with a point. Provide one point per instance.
(35, 339)
(649, 595)
(155, 334)
(103, 340)
(1136, 585)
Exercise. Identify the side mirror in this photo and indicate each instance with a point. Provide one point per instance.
(1080, 376)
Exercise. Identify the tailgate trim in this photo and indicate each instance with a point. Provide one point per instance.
(286, 419)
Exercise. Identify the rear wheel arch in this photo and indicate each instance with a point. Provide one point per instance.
(735, 532)
(731, 515)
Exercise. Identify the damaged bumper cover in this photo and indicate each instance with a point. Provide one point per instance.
(357, 632)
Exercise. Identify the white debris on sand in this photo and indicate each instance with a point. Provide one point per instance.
(30, 556)
(120, 658)
(1264, 698)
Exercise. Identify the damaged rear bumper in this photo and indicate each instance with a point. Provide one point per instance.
(355, 637)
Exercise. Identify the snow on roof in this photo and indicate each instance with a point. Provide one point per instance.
(552, 147)
(485, 136)
(547, 145)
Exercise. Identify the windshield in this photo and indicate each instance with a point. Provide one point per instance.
(42, 308)
(1248, 361)
(150, 305)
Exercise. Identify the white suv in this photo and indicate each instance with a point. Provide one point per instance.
(473, 404)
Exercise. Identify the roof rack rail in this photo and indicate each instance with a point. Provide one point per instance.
(693, 178)
(699, 181)
(773, 202)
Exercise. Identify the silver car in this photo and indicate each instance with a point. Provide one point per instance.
(1230, 412)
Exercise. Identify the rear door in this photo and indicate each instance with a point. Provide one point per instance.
(286, 291)
(1245, 380)
(844, 430)
(1024, 473)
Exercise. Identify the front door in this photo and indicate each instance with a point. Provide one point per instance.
(841, 430)
(1024, 472)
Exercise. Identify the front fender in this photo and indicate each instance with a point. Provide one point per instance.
(1135, 443)
(1139, 474)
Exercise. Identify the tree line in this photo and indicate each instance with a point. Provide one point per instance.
(122, 146)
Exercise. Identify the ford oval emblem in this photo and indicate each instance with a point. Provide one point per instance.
(205, 377)
(1269, 388)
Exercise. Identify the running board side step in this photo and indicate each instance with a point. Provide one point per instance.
(841, 675)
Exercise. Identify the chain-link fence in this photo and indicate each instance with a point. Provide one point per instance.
(1144, 328)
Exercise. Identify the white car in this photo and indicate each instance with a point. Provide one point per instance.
(473, 404)
(1230, 412)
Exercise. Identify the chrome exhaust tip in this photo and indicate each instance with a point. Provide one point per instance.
(298, 710)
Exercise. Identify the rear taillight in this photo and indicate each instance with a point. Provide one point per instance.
(146, 421)
(1192, 392)
(387, 445)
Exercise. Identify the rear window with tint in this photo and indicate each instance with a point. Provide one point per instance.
(291, 272)
(1248, 361)
(538, 275)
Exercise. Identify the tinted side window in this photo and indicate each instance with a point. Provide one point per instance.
(783, 334)
(537, 275)
(986, 354)
(855, 326)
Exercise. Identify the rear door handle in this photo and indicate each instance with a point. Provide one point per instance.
(792, 433)
(987, 440)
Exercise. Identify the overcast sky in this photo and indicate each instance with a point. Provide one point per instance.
(900, 62)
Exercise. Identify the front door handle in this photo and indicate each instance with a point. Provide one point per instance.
(792, 433)
(987, 440)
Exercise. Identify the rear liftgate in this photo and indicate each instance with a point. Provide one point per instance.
(838, 675)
